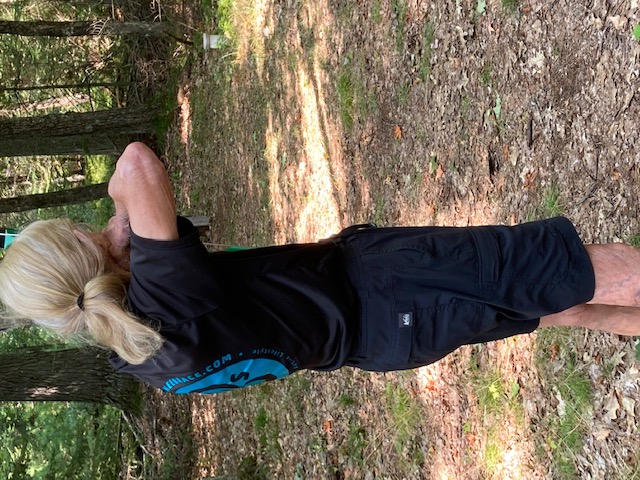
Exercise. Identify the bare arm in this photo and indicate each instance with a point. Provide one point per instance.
(142, 194)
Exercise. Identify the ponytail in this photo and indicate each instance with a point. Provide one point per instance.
(61, 279)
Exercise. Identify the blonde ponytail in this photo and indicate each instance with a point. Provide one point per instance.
(45, 271)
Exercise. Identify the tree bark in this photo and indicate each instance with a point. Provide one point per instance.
(72, 375)
(54, 199)
(70, 86)
(104, 132)
(96, 144)
(127, 120)
(82, 28)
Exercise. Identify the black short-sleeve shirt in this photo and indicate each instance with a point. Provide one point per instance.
(233, 319)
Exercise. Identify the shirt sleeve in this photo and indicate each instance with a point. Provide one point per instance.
(171, 281)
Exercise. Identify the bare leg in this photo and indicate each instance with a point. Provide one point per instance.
(606, 318)
(615, 304)
(617, 271)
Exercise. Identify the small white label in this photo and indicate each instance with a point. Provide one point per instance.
(405, 319)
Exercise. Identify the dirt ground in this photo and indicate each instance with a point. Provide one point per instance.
(328, 113)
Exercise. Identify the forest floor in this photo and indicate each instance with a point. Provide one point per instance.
(322, 114)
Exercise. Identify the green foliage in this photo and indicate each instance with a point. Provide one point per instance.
(43, 174)
(25, 337)
(56, 440)
(250, 469)
(86, 70)
(225, 19)
(634, 240)
(636, 32)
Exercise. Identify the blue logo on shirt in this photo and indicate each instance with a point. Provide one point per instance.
(238, 375)
(226, 374)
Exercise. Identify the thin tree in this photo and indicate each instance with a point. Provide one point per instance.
(41, 28)
(90, 144)
(81, 194)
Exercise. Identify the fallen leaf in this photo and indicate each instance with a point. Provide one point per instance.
(530, 180)
(397, 132)
(327, 426)
(629, 406)
(618, 21)
(611, 408)
(471, 439)
(615, 174)
(505, 151)
(439, 172)
(601, 434)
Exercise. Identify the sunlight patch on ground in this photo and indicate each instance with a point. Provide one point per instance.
(319, 218)
(308, 189)
(272, 140)
(185, 115)
(251, 26)
(492, 442)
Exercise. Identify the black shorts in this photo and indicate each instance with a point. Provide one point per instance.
(425, 291)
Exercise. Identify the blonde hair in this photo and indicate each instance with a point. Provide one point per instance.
(49, 267)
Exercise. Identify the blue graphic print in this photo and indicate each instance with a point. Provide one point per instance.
(230, 374)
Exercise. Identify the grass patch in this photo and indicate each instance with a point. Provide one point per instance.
(267, 431)
(551, 204)
(347, 99)
(345, 401)
(485, 75)
(510, 5)
(428, 34)
(499, 401)
(566, 426)
(634, 240)
(400, 10)
(403, 93)
(376, 12)
(404, 414)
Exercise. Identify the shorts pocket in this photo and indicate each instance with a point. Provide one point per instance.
(488, 252)
(441, 330)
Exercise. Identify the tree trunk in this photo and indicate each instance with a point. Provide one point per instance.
(96, 144)
(54, 199)
(69, 86)
(104, 132)
(81, 28)
(128, 120)
(72, 375)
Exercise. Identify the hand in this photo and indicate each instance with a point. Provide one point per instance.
(117, 232)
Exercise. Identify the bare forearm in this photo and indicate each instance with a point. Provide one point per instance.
(141, 190)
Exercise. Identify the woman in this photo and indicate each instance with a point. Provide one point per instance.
(184, 320)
